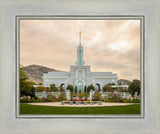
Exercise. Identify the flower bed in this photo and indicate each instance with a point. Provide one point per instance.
(78, 100)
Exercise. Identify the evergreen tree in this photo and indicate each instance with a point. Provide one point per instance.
(134, 86)
(90, 87)
(85, 89)
(75, 89)
(26, 87)
(108, 88)
(70, 87)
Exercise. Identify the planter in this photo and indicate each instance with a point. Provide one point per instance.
(91, 103)
(77, 102)
(100, 103)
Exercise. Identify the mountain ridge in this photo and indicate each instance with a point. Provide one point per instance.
(35, 72)
(123, 81)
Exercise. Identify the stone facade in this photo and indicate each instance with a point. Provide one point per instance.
(79, 75)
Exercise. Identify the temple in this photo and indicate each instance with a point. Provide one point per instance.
(79, 75)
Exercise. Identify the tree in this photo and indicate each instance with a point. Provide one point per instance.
(33, 93)
(134, 86)
(85, 89)
(40, 89)
(70, 87)
(53, 88)
(75, 89)
(108, 88)
(26, 87)
(90, 87)
(111, 84)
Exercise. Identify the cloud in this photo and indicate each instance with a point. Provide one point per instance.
(109, 45)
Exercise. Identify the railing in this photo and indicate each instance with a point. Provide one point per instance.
(44, 94)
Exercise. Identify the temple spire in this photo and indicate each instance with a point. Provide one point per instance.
(80, 60)
(80, 38)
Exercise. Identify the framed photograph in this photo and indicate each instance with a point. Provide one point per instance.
(114, 91)
(79, 67)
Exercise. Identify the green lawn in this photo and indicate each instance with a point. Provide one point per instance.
(33, 109)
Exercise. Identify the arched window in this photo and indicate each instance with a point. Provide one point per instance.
(80, 74)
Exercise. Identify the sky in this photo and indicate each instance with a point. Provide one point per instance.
(108, 45)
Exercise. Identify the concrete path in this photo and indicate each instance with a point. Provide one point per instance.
(80, 105)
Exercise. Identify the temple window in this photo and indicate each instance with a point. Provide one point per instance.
(80, 74)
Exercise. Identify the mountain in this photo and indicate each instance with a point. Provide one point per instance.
(123, 82)
(35, 72)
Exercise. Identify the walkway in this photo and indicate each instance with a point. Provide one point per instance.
(58, 104)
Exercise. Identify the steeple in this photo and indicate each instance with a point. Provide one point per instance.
(80, 60)
(80, 38)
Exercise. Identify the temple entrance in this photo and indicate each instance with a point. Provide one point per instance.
(80, 87)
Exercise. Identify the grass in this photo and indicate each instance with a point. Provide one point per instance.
(34, 109)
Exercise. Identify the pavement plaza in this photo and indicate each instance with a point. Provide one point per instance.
(58, 104)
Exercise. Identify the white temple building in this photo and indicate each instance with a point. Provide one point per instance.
(79, 75)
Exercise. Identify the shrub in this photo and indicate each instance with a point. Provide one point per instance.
(108, 88)
(97, 96)
(27, 100)
(52, 88)
(131, 101)
(72, 95)
(51, 98)
(40, 89)
(121, 89)
(80, 96)
(44, 99)
(61, 97)
(86, 95)
(111, 84)
(115, 97)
